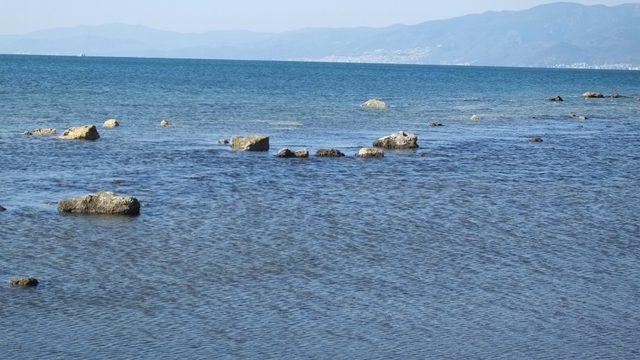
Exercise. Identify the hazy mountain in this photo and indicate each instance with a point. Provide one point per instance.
(547, 35)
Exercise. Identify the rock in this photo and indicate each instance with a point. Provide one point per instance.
(23, 282)
(250, 143)
(223, 142)
(375, 104)
(536, 139)
(329, 153)
(86, 132)
(2, 209)
(101, 203)
(592, 95)
(111, 123)
(165, 123)
(615, 96)
(556, 98)
(435, 124)
(286, 153)
(475, 117)
(42, 131)
(398, 140)
(370, 153)
(579, 117)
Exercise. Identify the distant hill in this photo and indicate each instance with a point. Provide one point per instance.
(558, 34)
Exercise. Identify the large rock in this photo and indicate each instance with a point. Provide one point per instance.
(592, 95)
(286, 153)
(329, 153)
(370, 153)
(23, 282)
(111, 123)
(250, 143)
(86, 132)
(398, 140)
(101, 203)
(43, 131)
(375, 104)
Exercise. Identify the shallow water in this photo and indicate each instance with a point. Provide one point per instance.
(479, 245)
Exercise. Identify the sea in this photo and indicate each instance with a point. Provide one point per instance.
(478, 245)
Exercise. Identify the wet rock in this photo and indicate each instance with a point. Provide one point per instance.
(165, 123)
(2, 209)
(286, 153)
(23, 282)
(536, 139)
(250, 143)
(579, 117)
(398, 140)
(475, 117)
(556, 98)
(370, 153)
(435, 124)
(375, 104)
(223, 142)
(592, 95)
(111, 123)
(615, 96)
(86, 132)
(43, 131)
(101, 203)
(329, 153)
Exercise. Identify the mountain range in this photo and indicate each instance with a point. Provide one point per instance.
(551, 35)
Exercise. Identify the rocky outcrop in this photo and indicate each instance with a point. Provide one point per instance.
(23, 282)
(475, 117)
(556, 98)
(435, 124)
(399, 140)
(592, 95)
(329, 153)
(101, 203)
(286, 153)
(370, 153)
(536, 139)
(250, 143)
(43, 131)
(375, 104)
(111, 123)
(165, 123)
(86, 132)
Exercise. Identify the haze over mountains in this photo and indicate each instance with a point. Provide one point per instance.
(558, 34)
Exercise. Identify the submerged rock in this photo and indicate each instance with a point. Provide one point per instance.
(536, 139)
(435, 124)
(23, 282)
(111, 123)
(250, 143)
(579, 117)
(592, 95)
(615, 96)
(370, 153)
(86, 132)
(2, 209)
(286, 153)
(556, 98)
(165, 123)
(223, 142)
(43, 131)
(375, 104)
(475, 117)
(329, 153)
(398, 140)
(101, 203)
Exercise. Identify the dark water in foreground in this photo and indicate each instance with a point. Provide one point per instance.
(489, 247)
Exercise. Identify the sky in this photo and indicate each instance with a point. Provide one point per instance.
(22, 16)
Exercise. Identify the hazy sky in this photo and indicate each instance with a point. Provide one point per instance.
(19, 16)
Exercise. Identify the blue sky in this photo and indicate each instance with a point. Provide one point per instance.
(20, 16)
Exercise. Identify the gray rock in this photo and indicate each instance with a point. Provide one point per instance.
(250, 143)
(23, 282)
(101, 203)
(536, 139)
(43, 131)
(435, 124)
(579, 117)
(398, 140)
(329, 153)
(370, 153)
(592, 95)
(556, 98)
(286, 153)
(85, 132)
(615, 96)
(2, 209)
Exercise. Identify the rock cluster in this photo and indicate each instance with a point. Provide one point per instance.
(111, 123)
(101, 203)
(329, 153)
(43, 131)
(250, 143)
(592, 95)
(370, 153)
(399, 140)
(375, 104)
(86, 132)
(23, 282)
(286, 153)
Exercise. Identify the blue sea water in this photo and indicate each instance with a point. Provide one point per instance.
(479, 245)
